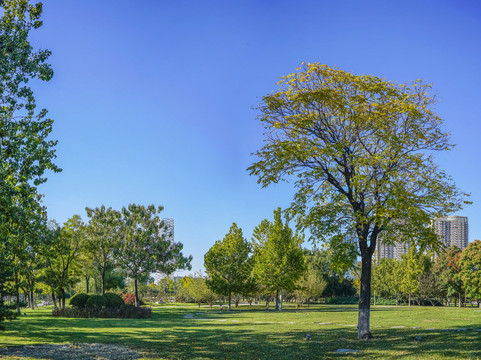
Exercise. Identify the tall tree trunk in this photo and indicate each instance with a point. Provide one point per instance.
(87, 278)
(409, 300)
(459, 300)
(374, 304)
(363, 325)
(136, 291)
(229, 300)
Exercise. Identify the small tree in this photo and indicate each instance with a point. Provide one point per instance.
(102, 238)
(279, 260)
(146, 246)
(447, 270)
(228, 264)
(471, 270)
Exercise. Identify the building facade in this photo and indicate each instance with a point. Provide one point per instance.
(452, 230)
(393, 251)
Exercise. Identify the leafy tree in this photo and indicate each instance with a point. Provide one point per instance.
(25, 151)
(360, 151)
(102, 240)
(471, 270)
(62, 252)
(412, 266)
(447, 270)
(311, 285)
(195, 288)
(145, 245)
(229, 265)
(279, 260)
(386, 278)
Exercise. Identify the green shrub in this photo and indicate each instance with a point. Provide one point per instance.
(96, 301)
(113, 300)
(123, 312)
(79, 300)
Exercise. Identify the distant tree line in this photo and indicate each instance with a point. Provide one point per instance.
(110, 247)
(452, 276)
(272, 266)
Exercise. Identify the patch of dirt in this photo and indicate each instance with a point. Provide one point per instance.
(71, 351)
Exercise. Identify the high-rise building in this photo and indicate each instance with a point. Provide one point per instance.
(393, 251)
(452, 230)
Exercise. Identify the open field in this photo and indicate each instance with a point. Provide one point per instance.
(192, 333)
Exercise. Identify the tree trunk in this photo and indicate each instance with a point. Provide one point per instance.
(62, 293)
(459, 300)
(409, 300)
(363, 326)
(54, 300)
(280, 300)
(18, 292)
(32, 300)
(103, 279)
(374, 304)
(230, 298)
(87, 278)
(277, 300)
(136, 291)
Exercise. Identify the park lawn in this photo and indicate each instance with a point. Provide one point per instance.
(193, 333)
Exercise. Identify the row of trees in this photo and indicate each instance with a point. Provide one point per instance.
(454, 273)
(273, 263)
(134, 241)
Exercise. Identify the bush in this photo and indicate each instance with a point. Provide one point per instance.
(79, 300)
(113, 300)
(96, 301)
(129, 299)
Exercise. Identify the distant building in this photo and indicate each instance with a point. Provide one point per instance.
(452, 230)
(391, 251)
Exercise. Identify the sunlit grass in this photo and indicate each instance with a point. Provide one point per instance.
(259, 334)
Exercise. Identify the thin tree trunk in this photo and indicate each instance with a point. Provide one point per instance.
(363, 327)
(18, 292)
(277, 300)
(280, 300)
(62, 293)
(136, 291)
(229, 300)
(459, 300)
(54, 300)
(374, 298)
(87, 278)
(409, 301)
(103, 281)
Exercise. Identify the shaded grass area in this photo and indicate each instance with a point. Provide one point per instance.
(192, 333)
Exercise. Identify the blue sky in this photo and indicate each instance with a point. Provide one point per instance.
(153, 101)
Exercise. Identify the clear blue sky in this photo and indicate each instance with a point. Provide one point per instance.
(153, 100)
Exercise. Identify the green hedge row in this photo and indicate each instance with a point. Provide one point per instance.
(125, 311)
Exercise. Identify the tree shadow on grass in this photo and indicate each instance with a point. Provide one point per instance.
(171, 336)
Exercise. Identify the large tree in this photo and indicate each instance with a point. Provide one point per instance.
(229, 264)
(278, 257)
(447, 270)
(26, 152)
(146, 245)
(359, 149)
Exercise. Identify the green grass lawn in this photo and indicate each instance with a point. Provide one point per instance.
(191, 333)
